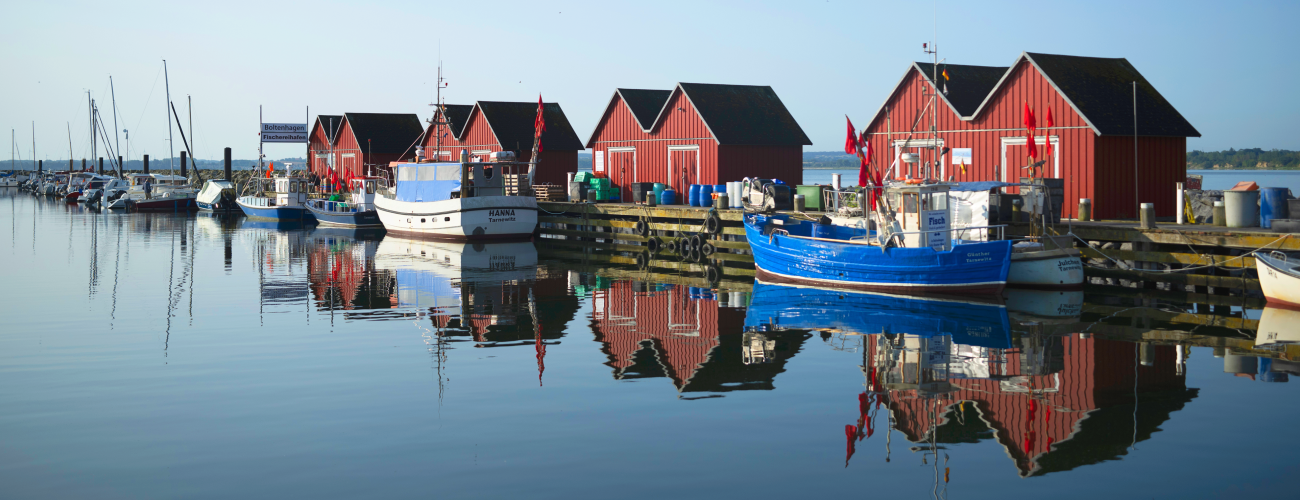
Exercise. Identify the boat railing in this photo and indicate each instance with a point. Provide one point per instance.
(846, 202)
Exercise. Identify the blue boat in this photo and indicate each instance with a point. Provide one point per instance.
(357, 211)
(916, 256)
(968, 322)
(283, 199)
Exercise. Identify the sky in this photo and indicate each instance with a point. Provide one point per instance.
(825, 59)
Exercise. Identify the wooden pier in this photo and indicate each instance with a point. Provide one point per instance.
(1189, 263)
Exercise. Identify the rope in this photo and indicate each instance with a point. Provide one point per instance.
(1201, 255)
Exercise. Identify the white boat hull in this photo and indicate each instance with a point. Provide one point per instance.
(1279, 279)
(1055, 269)
(1278, 325)
(461, 219)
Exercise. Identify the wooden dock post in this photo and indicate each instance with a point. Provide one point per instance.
(226, 160)
(146, 164)
(121, 167)
(183, 166)
(83, 164)
(101, 165)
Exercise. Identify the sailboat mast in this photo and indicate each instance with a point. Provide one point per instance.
(116, 142)
(33, 145)
(90, 121)
(171, 148)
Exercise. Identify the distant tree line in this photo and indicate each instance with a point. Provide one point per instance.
(1254, 158)
(155, 164)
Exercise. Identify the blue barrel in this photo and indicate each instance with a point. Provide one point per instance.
(693, 195)
(668, 197)
(706, 195)
(1272, 205)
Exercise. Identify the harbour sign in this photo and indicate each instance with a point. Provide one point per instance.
(284, 132)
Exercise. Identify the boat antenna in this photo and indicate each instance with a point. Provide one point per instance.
(116, 142)
(171, 149)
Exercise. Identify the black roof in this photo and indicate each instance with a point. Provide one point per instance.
(457, 115)
(1102, 90)
(385, 133)
(326, 120)
(744, 114)
(645, 104)
(512, 123)
(967, 85)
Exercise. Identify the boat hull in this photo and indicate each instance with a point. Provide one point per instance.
(974, 268)
(277, 213)
(361, 218)
(481, 218)
(218, 207)
(1059, 269)
(1279, 279)
(165, 205)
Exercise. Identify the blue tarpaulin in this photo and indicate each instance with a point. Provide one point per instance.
(427, 181)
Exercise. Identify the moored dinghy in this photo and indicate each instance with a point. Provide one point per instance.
(217, 196)
(1279, 278)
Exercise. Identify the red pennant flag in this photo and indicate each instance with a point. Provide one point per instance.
(269, 170)
(850, 432)
(850, 142)
(862, 171)
(1048, 141)
(539, 125)
(1030, 123)
(1033, 148)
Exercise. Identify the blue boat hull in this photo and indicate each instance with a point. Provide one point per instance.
(973, 268)
(278, 213)
(367, 218)
(777, 307)
(209, 207)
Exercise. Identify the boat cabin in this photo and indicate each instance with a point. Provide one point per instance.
(922, 213)
(422, 182)
(364, 189)
(290, 191)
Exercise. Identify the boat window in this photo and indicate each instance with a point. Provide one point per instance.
(370, 187)
(293, 187)
(939, 201)
(909, 203)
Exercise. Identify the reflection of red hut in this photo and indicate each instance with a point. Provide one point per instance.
(1050, 422)
(650, 330)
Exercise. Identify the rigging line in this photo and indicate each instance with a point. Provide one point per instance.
(148, 99)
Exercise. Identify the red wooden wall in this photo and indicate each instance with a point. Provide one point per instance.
(1092, 167)
(552, 167)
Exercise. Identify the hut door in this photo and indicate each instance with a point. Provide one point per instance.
(621, 167)
(1015, 156)
(349, 165)
(683, 167)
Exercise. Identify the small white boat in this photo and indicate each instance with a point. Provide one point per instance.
(429, 201)
(1032, 266)
(217, 196)
(1279, 278)
(12, 178)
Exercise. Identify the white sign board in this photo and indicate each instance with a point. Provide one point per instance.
(284, 132)
(936, 229)
(598, 162)
(961, 156)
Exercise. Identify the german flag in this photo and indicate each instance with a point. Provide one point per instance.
(945, 73)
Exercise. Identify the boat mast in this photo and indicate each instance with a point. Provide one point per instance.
(116, 142)
(69, 146)
(90, 120)
(33, 145)
(171, 149)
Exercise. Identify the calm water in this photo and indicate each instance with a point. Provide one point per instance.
(163, 356)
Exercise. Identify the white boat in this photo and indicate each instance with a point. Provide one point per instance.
(12, 178)
(429, 201)
(1032, 266)
(171, 189)
(1279, 278)
(217, 196)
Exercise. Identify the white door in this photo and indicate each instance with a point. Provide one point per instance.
(683, 167)
(1015, 156)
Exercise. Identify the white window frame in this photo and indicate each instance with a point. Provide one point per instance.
(683, 147)
(900, 144)
(1020, 140)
